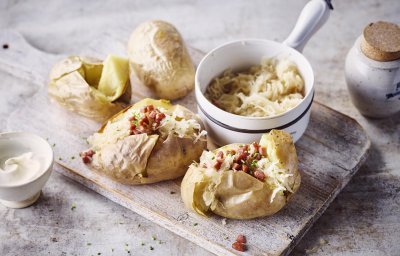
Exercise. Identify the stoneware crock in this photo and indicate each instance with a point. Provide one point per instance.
(224, 127)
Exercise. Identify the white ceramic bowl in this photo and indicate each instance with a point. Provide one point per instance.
(17, 143)
(224, 127)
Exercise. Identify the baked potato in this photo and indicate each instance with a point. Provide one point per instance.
(243, 181)
(148, 142)
(159, 59)
(90, 87)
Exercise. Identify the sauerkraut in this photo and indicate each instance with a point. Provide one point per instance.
(271, 88)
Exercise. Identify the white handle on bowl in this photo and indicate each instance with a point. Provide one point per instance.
(312, 17)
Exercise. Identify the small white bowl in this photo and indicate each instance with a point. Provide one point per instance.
(16, 143)
(224, 127)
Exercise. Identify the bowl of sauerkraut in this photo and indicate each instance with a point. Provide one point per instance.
(247, 88)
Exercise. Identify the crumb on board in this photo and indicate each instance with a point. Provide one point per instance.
(223, 221)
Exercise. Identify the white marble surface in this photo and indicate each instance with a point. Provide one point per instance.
(363, 220)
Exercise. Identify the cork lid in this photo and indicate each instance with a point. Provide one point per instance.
(381, 41)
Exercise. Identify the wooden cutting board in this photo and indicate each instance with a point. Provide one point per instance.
(330, 152)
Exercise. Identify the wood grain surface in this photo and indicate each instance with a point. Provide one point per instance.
(331, 151)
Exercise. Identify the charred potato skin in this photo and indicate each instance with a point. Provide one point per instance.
(154, 158)
(68, 87)
(159, 58)
(237, 195)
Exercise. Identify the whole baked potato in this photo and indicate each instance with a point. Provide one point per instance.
(148, 142)
(243, 181)
(91, 87)
(159, 59)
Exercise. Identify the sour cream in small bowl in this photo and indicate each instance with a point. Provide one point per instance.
(26, 161)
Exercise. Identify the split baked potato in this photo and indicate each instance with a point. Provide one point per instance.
(91, 87)
(243, 181)
(159, 59)
(148, 142)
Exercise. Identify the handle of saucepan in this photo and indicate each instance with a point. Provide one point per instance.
(312, 17)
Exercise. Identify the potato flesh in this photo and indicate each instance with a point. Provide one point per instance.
(114, 77)
(92, 73)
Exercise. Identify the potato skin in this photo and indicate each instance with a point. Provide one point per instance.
(237, 195)
(144, 159)
(159, 59)
(68, 86)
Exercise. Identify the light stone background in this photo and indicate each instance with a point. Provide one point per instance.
(363, 220)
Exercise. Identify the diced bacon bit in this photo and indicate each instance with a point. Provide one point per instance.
(220, 155)
(148, 123)
(153, 114)
(245, 168)
(217, 164)
(241, 157)
(259, 175)
(147, 108)
(240, 243)
(262, 151)
(241, 239)
(87, 156)
(236, 166)
(256, 146)
(241, 247)
(160, 116)
(219, 159)
(231, 152)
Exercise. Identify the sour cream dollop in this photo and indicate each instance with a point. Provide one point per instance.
(19, 169)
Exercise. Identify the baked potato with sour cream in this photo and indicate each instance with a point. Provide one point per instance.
(148, 142)
(91, 87)
(241, 181)
(159, 59)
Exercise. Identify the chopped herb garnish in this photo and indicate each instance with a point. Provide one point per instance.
(54, 144)
(88, 244)
(142, 243)
(254, 163)
(73, 207)
(153, 238)
(60, 158)
(72, 157)
(99, 253)
(151, 248)
(50, 210)
(126, 245)
(138, 225)
(195, 224)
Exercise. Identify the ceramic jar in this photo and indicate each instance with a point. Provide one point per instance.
(372, 70)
